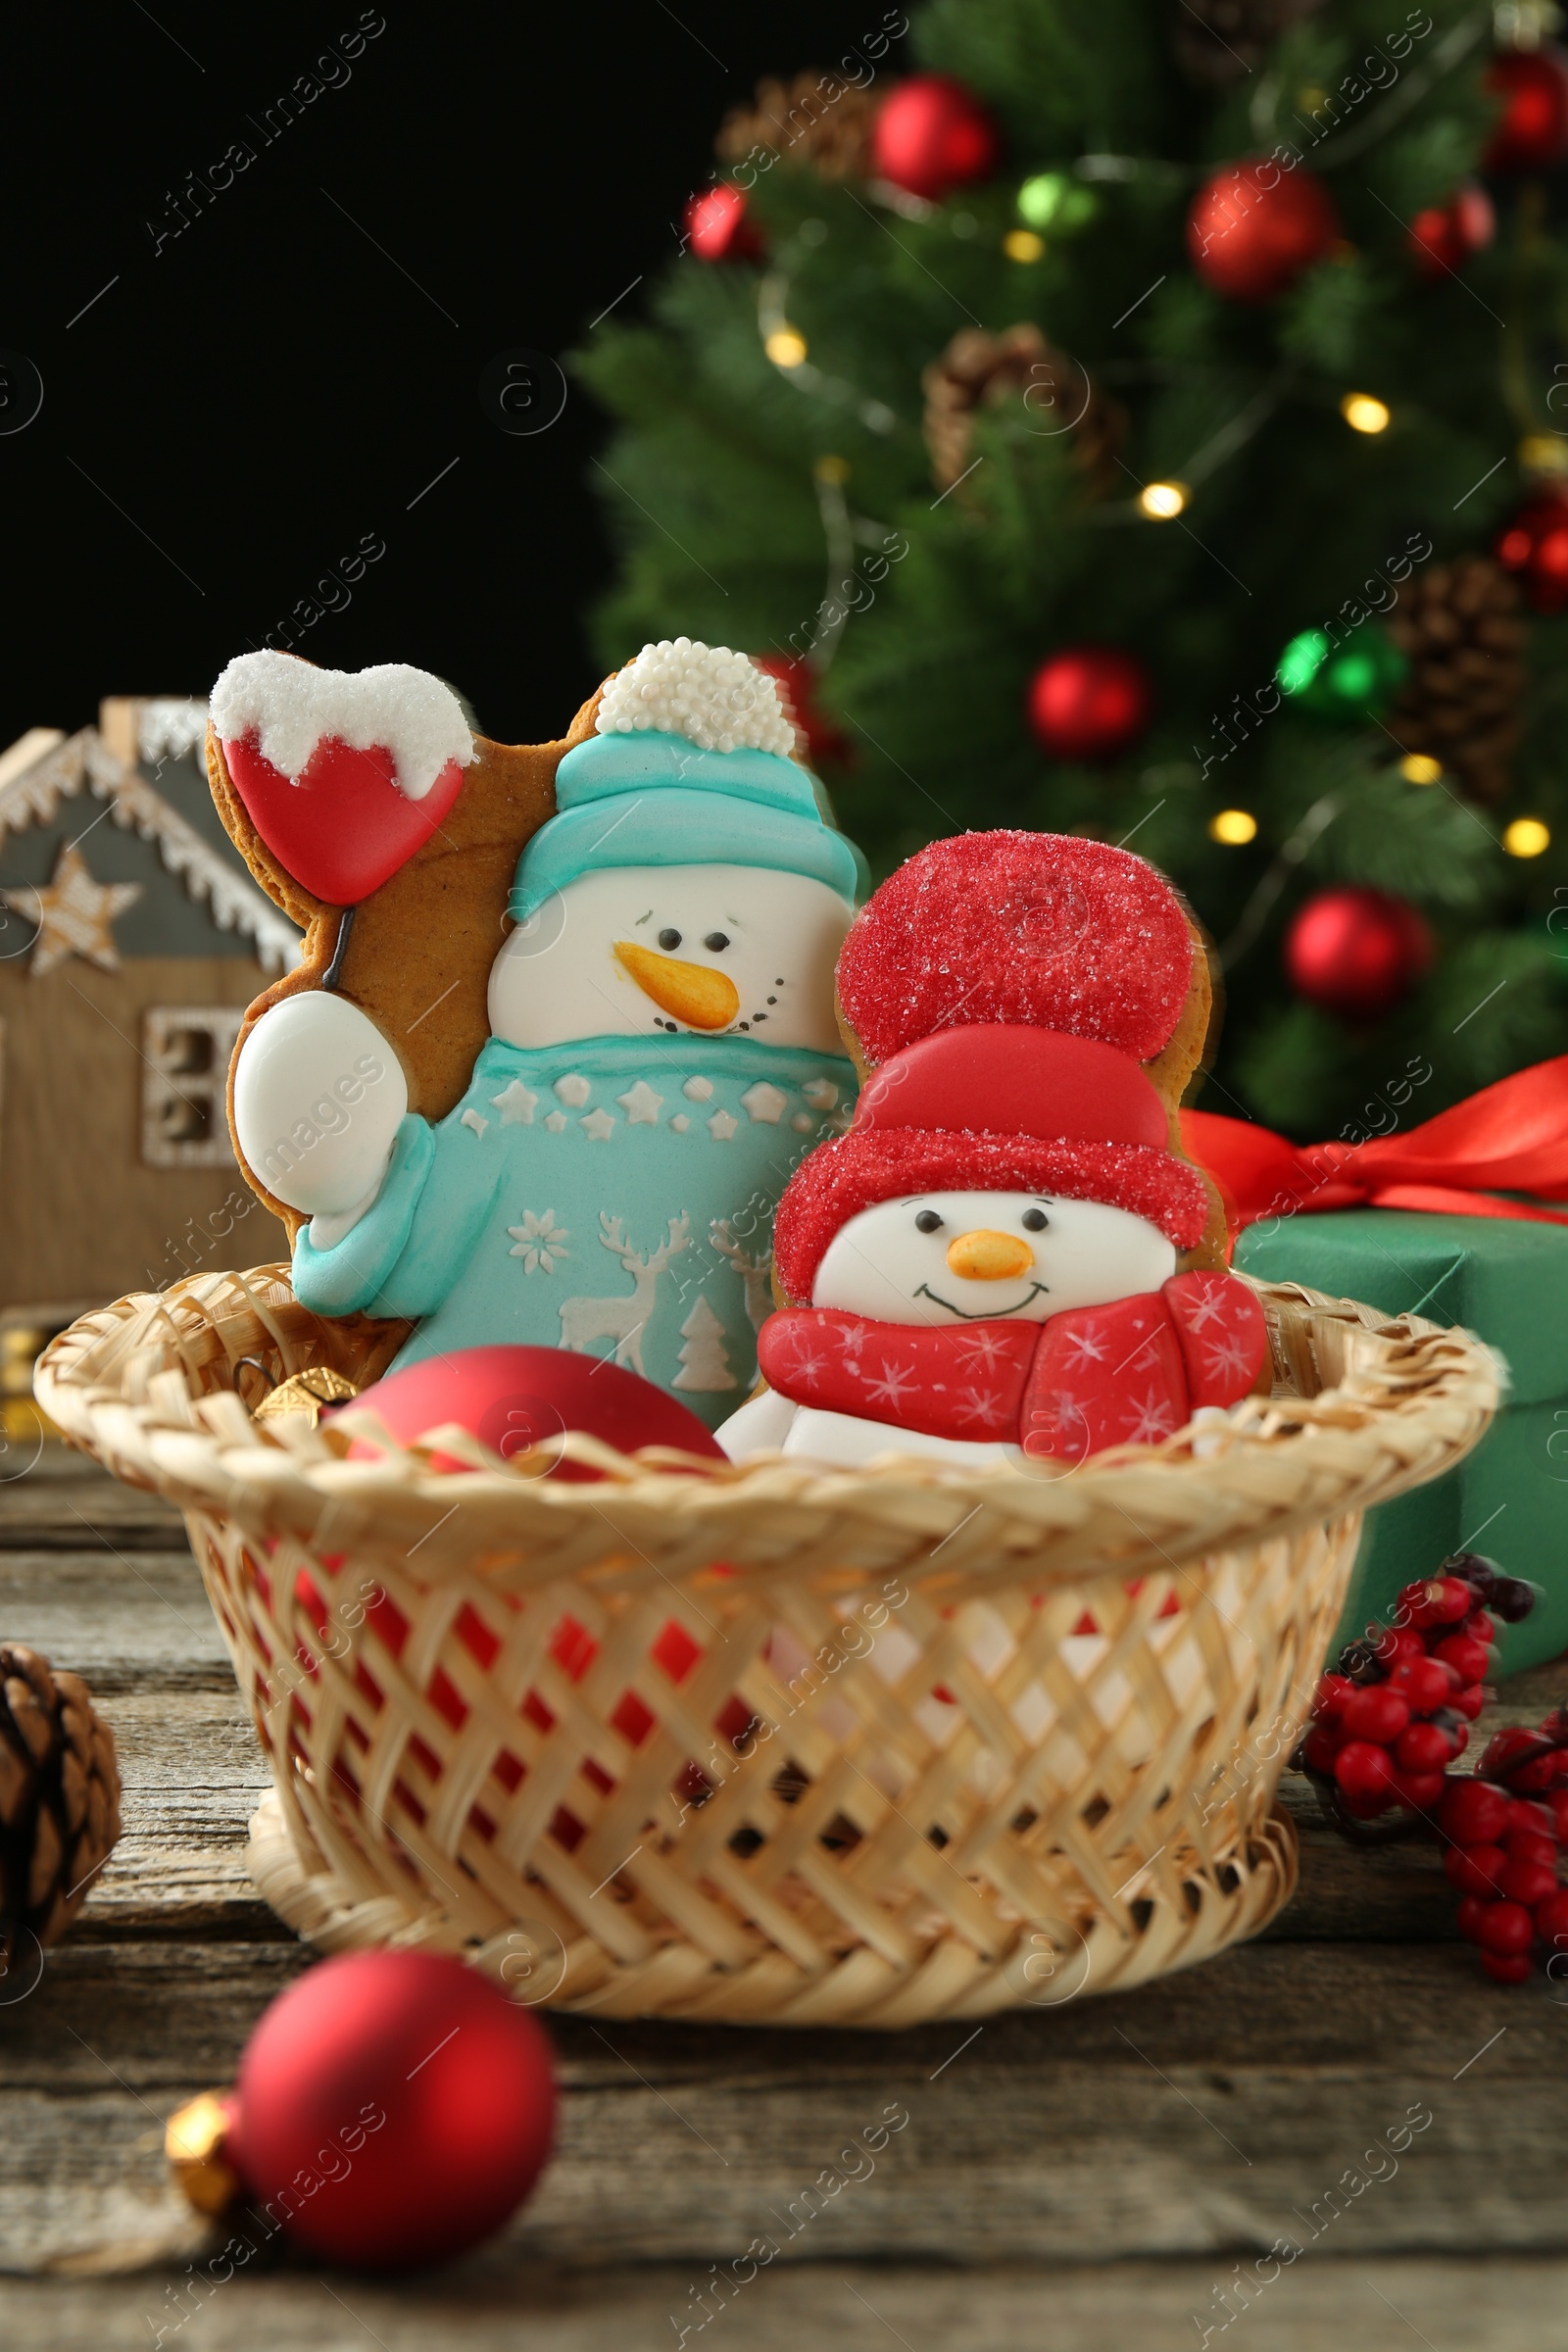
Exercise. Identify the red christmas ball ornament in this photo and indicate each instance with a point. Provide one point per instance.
(395, 2107)
(718, 227)
(1254, 229)
(1445, 237)
(511, 1399)
(1534, 545)
(1090, 702)
(825, 739)
(1356, 951)
(1531, 133)
(933, 137)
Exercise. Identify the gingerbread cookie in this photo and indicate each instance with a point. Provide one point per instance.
(985, 1266)
(591, 1159)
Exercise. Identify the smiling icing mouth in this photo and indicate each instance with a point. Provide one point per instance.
(984, 1314)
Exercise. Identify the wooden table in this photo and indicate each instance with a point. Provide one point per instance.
(1090, 2176)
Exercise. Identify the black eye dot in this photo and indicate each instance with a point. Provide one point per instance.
(670, 940)
(718, 942)
(1035, 1220)
(927, 1221)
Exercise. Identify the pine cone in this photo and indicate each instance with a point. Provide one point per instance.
(983, 370)
(1461, 627)
(59, 1798)
(816, 119)
(1219, 42)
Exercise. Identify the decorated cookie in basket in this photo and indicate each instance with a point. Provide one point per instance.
(984, 1267)
(660, 1048)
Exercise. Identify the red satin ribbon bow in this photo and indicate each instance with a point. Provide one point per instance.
(1510, 1138)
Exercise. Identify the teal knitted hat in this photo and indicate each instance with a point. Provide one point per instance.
(690, 767)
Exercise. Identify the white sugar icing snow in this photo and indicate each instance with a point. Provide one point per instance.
(289, 707)
(714, 698)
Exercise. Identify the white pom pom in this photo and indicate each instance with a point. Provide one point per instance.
(714, 698)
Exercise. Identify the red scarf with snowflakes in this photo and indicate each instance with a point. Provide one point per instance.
(1126, 1374)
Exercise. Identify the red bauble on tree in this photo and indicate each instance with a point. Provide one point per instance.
(718, 227)
(1090, 702)
(393, 2107)
(1254, 228)
(1531, 133)
(825, 739)
(932, 137)
(1445, 235)
(1534, 545)
(1356, 951)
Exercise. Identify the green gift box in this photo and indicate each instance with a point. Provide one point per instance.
(1508, 1280)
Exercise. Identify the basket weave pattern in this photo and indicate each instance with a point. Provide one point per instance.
(770, 1744)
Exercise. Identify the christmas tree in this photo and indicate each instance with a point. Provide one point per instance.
(704, 1358)
(1146, 421)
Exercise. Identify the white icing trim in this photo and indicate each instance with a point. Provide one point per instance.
(290, 707)
(236, 904)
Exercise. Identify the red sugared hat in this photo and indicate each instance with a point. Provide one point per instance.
(1006, 985)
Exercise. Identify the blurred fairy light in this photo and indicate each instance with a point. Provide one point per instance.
(1363, 413)
(1162, 502)
(1235, 827)
(1022, 245)
(1525, 837)
(1416, 767)
(786, 347)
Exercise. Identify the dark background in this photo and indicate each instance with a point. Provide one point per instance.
(228, 419)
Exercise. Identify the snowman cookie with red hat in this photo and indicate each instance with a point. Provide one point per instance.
(1007, 1258)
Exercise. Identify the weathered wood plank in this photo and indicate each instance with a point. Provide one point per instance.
(1199, 2113)
(1507, 2305)
(52, 1497)
(127, 1621)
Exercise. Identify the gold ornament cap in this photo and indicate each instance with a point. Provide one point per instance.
(195, 2141)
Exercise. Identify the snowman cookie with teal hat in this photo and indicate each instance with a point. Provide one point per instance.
(662, 1046)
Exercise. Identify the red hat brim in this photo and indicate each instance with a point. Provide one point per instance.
(873, 1165)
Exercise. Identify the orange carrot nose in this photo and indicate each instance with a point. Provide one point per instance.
(693, 991)
(985, 1256)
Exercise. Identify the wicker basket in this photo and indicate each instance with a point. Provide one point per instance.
(771, 1744)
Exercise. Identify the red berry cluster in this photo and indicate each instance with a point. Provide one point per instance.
(1387, 1725)
(1505, 1828)
(1396, 1713)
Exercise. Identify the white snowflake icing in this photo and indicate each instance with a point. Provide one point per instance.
(1229, 1354)
(471, 1119)
(717, 698)
(573, 1089)
(1213, 1301)
(983, 1352)
(1085, 1348)
(982, 1407)
(641, 1104)
(1152, 1416)
(598, 1126)
(698, 1089)
(894, 1386)
(764, 1104)
(681, 1123)
(556, 1121)
(721, 1126)
(807, 1365)
(539, 1242)
(514, 1103)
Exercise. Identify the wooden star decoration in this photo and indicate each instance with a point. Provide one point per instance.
(75, 915)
